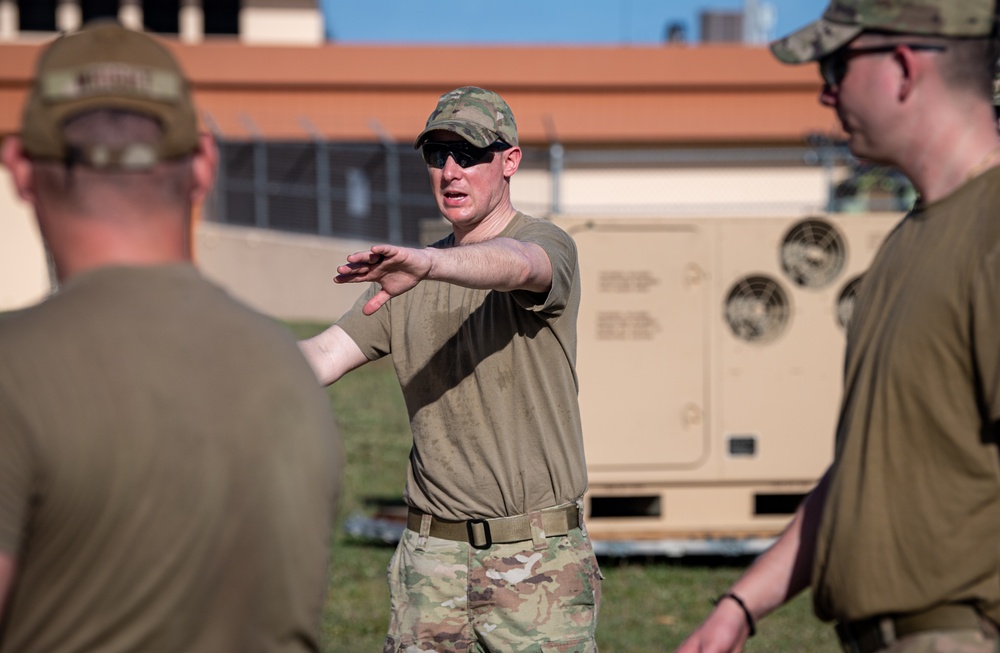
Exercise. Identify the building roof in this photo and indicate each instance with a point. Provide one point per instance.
(615, 96)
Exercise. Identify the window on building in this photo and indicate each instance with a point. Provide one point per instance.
(94, 9)
(36, 15)
(161, 16)
(221, 16)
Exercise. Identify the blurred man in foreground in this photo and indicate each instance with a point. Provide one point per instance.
(901, 537)
(168, 467)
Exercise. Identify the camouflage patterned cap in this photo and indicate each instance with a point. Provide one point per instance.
(846, 19)
(106, 66)
(477, 115)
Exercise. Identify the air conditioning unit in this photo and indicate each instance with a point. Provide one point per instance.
(710, 362)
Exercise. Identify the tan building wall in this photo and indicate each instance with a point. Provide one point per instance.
(24, 275)
(680, 191)
(289, 22)
(286, 22)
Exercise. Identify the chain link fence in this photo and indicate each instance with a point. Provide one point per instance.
(378, 191)
(366, 191)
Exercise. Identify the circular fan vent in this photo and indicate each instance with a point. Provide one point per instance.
(757, 309)
(813, 253)
(845, 302)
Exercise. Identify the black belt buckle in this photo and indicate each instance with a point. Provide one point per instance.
(471, 524)
(847, 642)
(861, 637)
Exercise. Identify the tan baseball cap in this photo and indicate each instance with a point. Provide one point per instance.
(106, 66)
(479, 116)
(844, 20)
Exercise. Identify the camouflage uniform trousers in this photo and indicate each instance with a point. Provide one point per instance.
(448, 596)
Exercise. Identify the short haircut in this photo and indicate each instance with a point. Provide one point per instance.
(967, 64)
(971, 64)
(167, 183)
(111, 127)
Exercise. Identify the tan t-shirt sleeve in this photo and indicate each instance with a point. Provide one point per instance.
(561, 250)
(371, 333)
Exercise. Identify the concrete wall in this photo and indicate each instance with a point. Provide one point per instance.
(285, 275)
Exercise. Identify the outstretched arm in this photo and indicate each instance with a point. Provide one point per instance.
(496, 264)
(332, 354)
(775, 578)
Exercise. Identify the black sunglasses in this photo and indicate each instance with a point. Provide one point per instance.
(465, 154)
(833, 67)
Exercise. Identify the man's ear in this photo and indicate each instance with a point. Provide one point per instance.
(910, 67)
(20, 167)
(203, 167)
(511, 160)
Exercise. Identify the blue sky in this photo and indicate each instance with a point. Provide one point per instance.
(556, 22)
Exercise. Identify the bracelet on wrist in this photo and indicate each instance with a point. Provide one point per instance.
(743, 606)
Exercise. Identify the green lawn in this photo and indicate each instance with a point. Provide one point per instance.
(648, 604)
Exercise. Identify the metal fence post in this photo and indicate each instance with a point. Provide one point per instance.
(556, 164)
(324, 202)
(394, 197)
(261, 192)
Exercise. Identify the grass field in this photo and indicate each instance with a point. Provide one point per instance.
(648, 604)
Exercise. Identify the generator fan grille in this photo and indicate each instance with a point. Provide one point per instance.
(813, 253)
(757, 309)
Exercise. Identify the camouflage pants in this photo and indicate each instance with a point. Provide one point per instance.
(448, 596)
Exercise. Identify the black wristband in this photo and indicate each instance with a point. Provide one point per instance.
(743, 606)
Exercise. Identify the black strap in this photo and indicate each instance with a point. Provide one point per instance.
(743, 606)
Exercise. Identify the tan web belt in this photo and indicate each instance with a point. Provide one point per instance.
(483, 533)
(877, 633)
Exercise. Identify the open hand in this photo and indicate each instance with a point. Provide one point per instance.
(395, 269)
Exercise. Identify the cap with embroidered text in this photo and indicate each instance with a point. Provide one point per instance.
(106, 66)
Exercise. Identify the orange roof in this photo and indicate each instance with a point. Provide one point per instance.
(594, 95)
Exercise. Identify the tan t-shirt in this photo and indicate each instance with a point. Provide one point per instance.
(168, 472)
(913, 513)
(490, 385)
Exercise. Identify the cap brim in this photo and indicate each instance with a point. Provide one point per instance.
(814, 41)
(475, 134)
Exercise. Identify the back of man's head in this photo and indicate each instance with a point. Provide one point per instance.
(109, 153)
(105, 66)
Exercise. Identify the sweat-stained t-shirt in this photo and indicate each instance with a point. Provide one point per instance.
(490, 384)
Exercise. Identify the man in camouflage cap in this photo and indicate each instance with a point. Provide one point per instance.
(482, 330)
(900, 538)
(168, 466)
